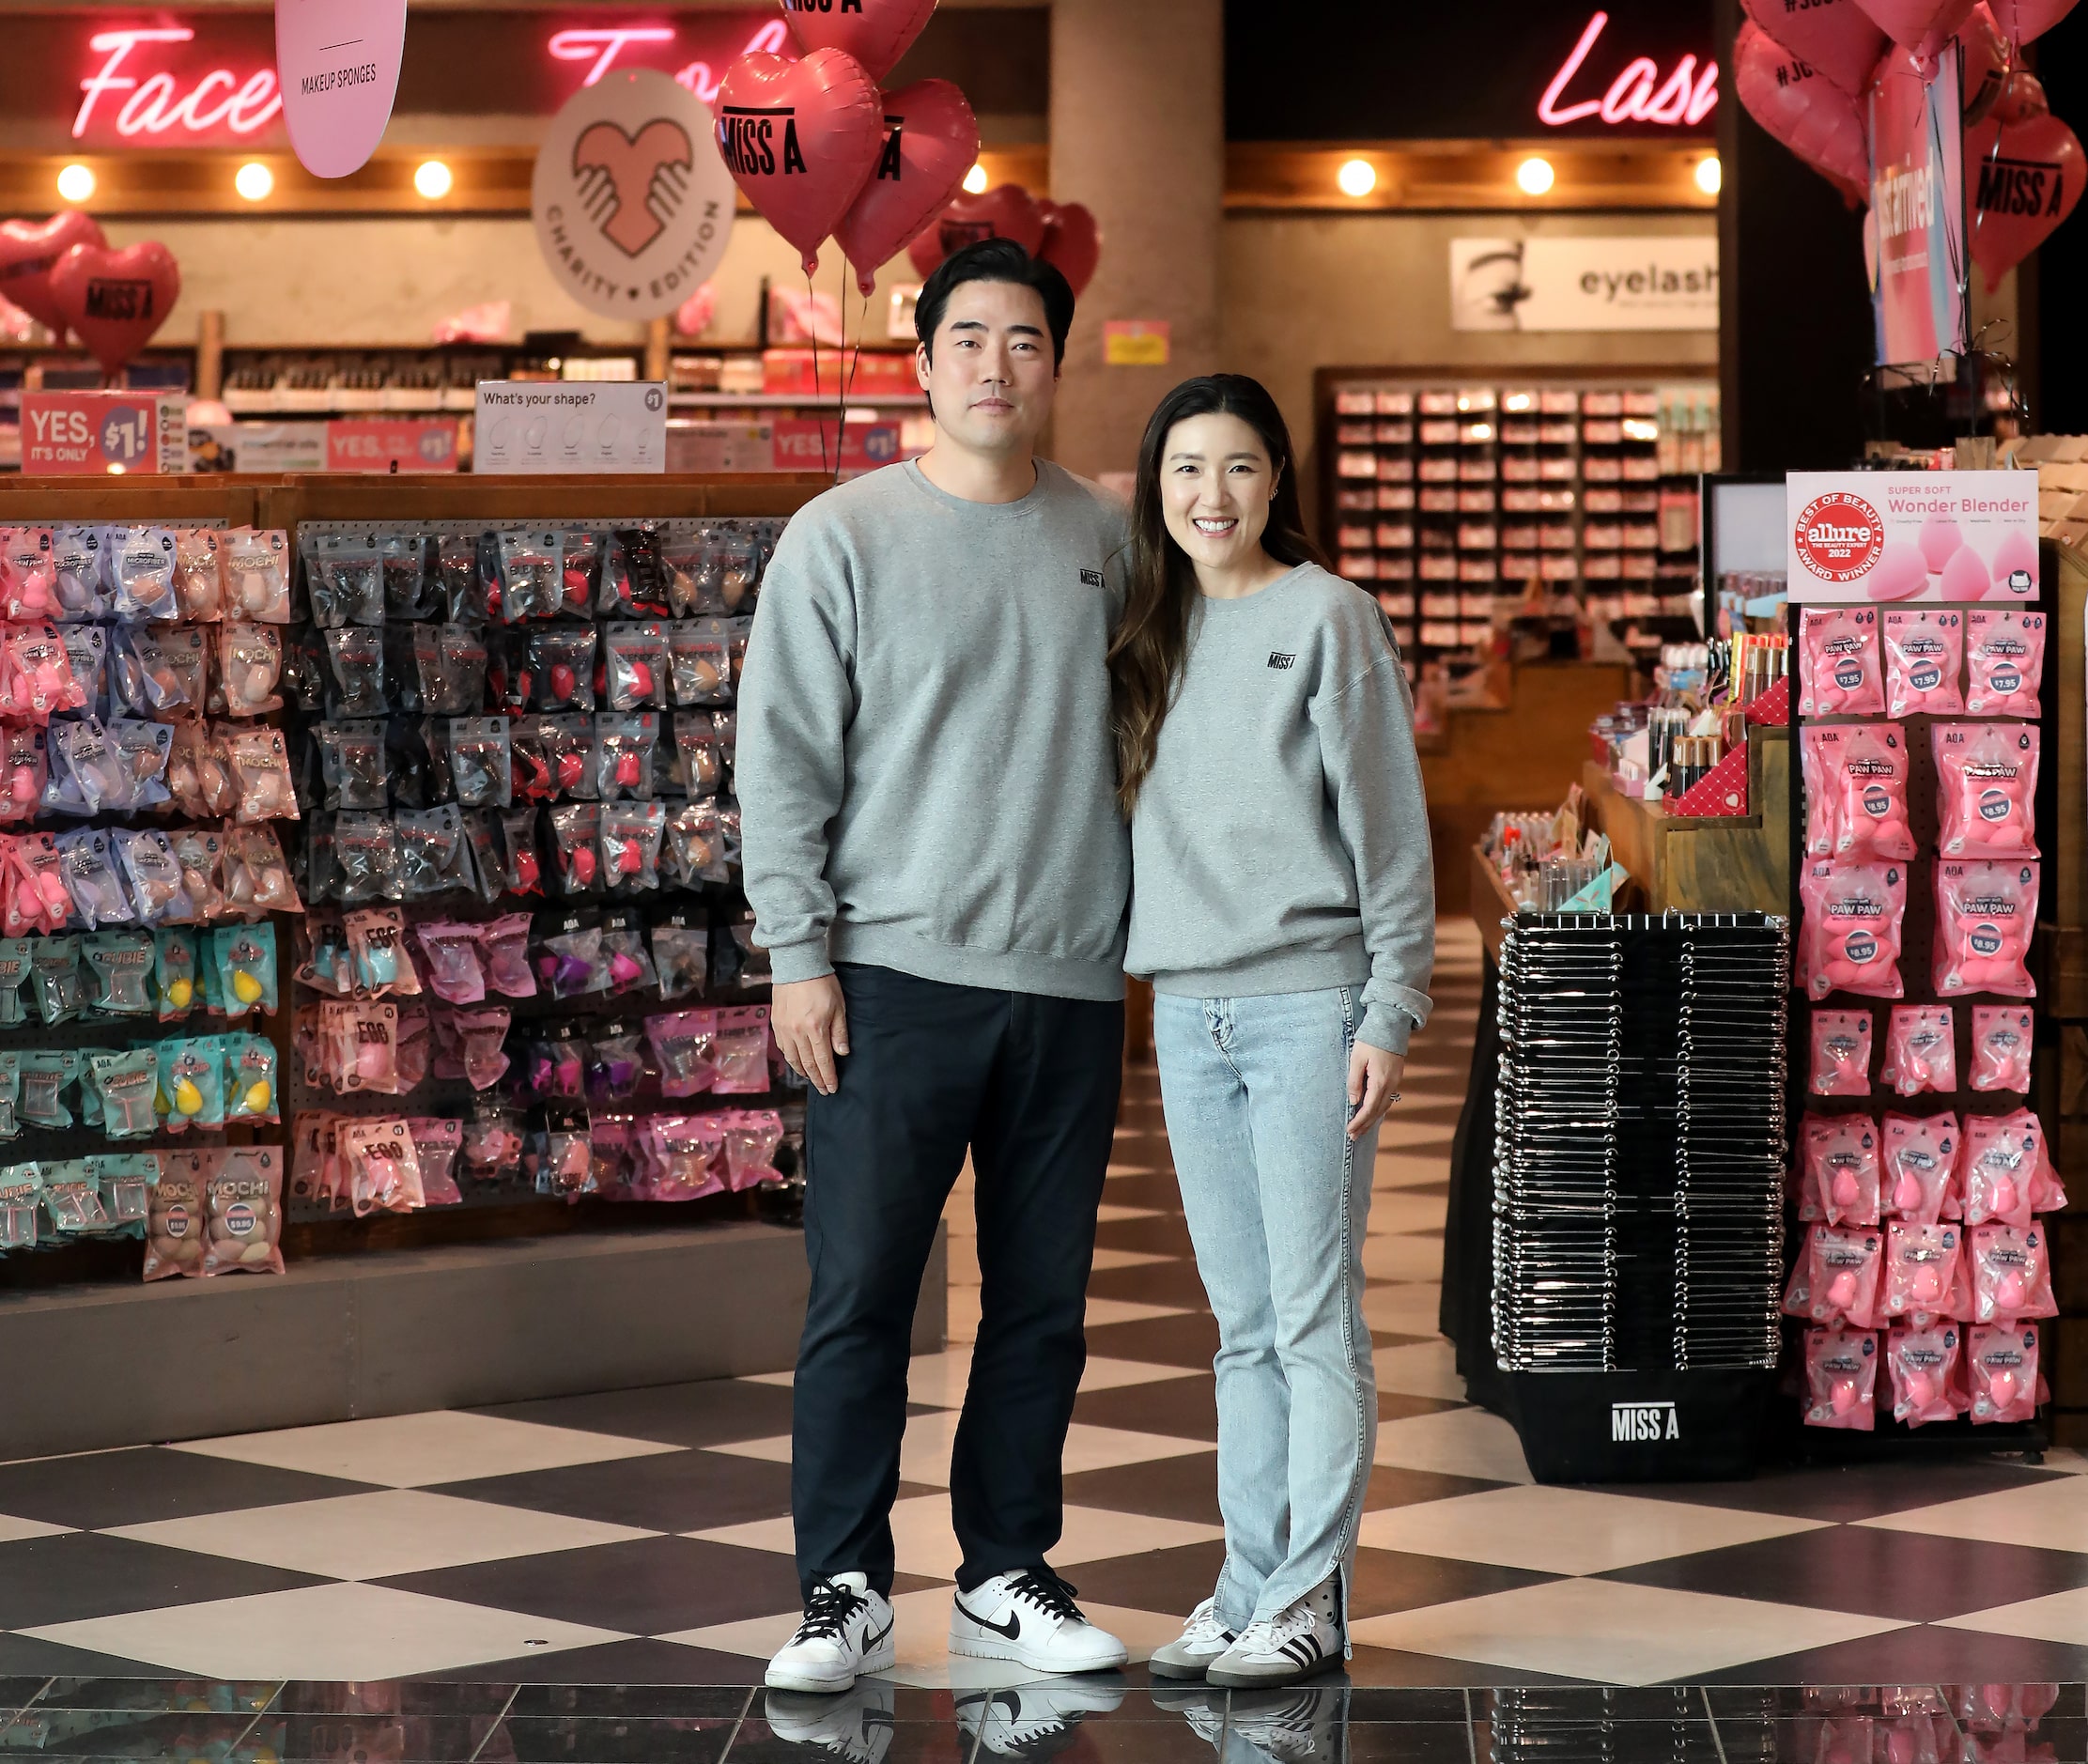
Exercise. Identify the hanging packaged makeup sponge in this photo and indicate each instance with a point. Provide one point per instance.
(1985, 913)
(2004, 661)
(1841, 1378)
(1986, 789)
(244, 958)
(1853, 913)
(1839, 656)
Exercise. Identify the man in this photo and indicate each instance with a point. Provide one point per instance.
(939, 871)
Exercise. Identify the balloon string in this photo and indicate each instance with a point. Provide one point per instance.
(855, 361)
(845, 373)
(812, 331)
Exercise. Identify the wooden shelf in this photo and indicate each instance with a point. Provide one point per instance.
(1733, 863)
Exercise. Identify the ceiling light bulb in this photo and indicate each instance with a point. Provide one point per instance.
(1711, 175)
(1535, 175)
(1356, 178)
(432, 180)
(975, 180)
(254, 180)
(76, 184)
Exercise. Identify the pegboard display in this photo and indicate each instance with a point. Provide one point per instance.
(1919, 1285)
(1451, 498)
(527, 949)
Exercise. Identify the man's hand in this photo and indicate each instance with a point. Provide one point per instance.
(811, 1027)
(1374, 1077)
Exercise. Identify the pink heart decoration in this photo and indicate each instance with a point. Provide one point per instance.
(2023, 179)
(1005, 212)
(1837, 36)
(113, 300)
(1071, 242)
(2021, 19)
(1986, 60)
(2021, 99)
(876, 32)
(931, 142)
(1921, 28)
(30, 250)
(1803, 109)
(800, 138)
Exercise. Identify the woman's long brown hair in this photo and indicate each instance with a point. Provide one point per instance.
(1147, 654)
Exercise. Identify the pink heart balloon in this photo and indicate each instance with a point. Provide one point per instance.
(1071, 242)
(1005, 212)
(800, 138)
(2021, 19)
(2021, 99)
(1985, 64)
(1921, 28)
(30, 250)
(876, 32)
(931, 142)
(1837, 36)
(2023, 178)
(1803, 109)
(113, 300)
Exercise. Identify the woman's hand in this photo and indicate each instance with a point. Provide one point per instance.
(1374, 1075)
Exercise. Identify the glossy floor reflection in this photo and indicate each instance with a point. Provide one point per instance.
(1091, 1720)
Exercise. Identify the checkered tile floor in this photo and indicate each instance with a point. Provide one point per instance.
(643, 1538)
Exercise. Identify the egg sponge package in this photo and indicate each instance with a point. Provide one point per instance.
(1986, 789)
(2004, 661)
(244, 959)
(1984, 915)
(1841, 1378)
(1856, 792)
(1924, 651)
(1838, 656)
(242, 1199)
(1853, 913)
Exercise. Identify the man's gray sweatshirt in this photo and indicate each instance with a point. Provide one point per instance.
(1281, 839)
(925, 770)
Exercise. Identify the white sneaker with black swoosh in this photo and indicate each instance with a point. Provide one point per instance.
(1029, 1617)
(856, 1727)
(1309, 1637)
(846, 1632)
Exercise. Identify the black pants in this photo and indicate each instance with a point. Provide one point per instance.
(1029, 1084)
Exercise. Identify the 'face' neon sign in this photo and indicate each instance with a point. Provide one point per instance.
(1638, 94)
(156, 103)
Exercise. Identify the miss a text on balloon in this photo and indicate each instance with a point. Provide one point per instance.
(747, 139)
(109, 299)
(2018, 187)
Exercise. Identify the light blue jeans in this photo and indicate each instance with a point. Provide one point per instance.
(1276, 1195)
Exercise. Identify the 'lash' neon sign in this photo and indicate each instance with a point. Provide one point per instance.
(1638, 93)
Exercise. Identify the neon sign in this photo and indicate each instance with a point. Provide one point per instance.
(218, 100)
(1638, 94)
(604, 43)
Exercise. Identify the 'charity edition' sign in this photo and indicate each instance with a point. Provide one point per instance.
(1651, 282)
(632, 203)
(1911, 536)
(570, 425)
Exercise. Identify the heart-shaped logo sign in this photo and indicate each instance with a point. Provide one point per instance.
(876, 32)
(1005, 212)
(30, 250)
(801, 139)
(931, 142)
(1803, 109)
(2024, 178)
(113, 300)
(1837, 37)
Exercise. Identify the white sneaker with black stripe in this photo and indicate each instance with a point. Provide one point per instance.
(1310, 1636)
(1303, 1724)
(848, 1631)
(1029, 1617)
(1203, 1639)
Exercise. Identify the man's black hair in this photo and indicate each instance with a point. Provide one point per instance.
(996, 260)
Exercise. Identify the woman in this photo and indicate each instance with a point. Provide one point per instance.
(1283, 907)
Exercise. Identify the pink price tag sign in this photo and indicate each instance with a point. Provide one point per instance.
(337, 62)
(102, 434)
(807, 444)
(390, 443)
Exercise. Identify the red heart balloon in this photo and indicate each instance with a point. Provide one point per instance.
(2023, 178)
(1837, 36)
(931, 142)
(1921, 28)
(113, 300)
(1005, 212)
(29, 250)
(1803, 109)
(2021, 99)
(2021, 19)
(876, 32)
(1071, 242)
(800, 138)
